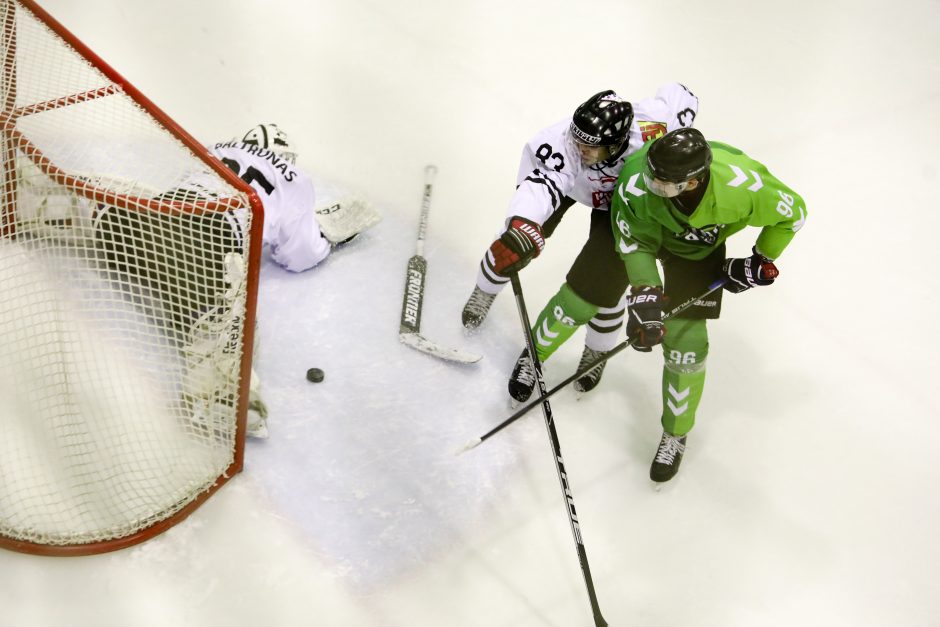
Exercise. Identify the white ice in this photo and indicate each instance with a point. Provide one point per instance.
(808, 495)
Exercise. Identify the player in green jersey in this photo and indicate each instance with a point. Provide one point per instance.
(677, 200)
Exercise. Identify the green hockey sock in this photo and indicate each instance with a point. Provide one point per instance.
(560, 318)
(685, 348)
(682, 392)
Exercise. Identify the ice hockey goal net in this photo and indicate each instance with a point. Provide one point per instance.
(128, 272)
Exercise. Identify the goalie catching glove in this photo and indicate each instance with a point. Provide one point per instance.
(645, 320)
(746, 272)
(343, 219)
(519, 245)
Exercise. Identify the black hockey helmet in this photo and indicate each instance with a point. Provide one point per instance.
(603, 120)
(678, 156)
(271, 137)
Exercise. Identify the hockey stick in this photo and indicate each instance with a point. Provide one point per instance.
(580, 373)
(409, 329)
(556, 450)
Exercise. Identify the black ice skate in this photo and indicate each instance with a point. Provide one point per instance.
(593, 376)
(474, 312)
(522, 380)
(668, 456)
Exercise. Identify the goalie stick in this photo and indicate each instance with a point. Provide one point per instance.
(409, 329)
(582, 371)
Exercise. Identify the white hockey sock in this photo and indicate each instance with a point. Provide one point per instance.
(603, 330)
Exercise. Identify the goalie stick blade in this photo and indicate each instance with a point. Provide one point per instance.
(421, 343)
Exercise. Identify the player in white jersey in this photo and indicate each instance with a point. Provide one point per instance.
(265, 160)
(577, 160)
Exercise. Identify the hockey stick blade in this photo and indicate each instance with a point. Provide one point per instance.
(475, 442)
(421, 343)
(409, 328)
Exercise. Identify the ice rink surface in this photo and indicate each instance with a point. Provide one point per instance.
(808, 492)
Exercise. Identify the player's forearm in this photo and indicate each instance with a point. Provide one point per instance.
(774, 239)
(642, 269)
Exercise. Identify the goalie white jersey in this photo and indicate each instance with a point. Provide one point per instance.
(287, 193)
(551, 168)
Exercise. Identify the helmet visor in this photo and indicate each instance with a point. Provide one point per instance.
(591, 155)
(666, 189)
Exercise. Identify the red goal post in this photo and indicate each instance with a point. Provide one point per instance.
(129, 262)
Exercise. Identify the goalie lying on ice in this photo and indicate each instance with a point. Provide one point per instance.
(298, 233)
(198, 251)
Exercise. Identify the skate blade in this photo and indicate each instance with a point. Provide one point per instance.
(516, 404)
(662, 486)
(579, 391)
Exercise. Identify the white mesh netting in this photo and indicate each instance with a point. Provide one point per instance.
(124, 291)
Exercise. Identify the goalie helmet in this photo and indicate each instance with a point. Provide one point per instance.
(679, 156)
(603, 120)
(269, 136)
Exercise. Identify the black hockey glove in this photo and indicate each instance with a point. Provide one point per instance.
(645, 318)
(515, 248)
(746, 272)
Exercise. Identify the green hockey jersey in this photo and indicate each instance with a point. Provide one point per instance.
(741, 192)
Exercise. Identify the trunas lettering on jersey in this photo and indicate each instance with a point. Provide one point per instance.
(279, 164)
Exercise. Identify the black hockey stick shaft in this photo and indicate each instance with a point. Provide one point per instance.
(556, 451)
(580, 373)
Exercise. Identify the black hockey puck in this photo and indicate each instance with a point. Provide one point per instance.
(315, 375)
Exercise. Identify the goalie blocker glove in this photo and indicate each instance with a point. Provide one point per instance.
(522, 242)
(645, 320)
(746, 272)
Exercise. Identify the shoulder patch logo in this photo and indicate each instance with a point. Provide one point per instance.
(651, 130)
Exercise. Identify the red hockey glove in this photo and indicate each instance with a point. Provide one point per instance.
(746, 272)
(645, 317)
(515, 248)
